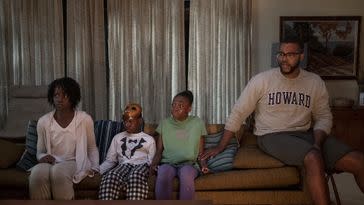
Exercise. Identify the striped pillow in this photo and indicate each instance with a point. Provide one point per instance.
(105, 130)
(224, 160)
(29, 159)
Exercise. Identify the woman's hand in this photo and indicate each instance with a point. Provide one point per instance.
(47, 159)
(92, 173)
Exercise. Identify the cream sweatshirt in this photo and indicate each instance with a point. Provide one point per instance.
(283, 104)
(86, 153)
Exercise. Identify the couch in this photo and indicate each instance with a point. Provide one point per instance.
(255, 178)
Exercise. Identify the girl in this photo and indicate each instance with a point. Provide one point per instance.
(179, 143)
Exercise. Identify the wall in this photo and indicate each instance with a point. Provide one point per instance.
(266, 15)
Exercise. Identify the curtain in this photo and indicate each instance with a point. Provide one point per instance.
(3, 68)
(219, 55)
(146, 55)
(86, 54)
(31, 48)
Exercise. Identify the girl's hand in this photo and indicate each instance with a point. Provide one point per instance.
(204, 167)
(205, 170)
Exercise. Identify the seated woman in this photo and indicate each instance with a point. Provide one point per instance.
(66, 148)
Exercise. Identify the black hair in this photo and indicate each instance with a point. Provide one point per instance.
(294, 40)
(70, 88)
(187, 94)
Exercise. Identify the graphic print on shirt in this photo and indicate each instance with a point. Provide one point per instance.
(289, 98)
(129, 146)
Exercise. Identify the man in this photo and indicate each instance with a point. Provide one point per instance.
(288, 101)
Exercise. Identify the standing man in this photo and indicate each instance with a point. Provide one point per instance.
(288, 102)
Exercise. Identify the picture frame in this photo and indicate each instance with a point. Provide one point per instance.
(332, 43)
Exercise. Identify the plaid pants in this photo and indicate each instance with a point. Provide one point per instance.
(133, 179)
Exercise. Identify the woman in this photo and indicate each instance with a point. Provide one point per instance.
(66, 148)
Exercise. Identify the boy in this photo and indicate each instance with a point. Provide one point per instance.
(128, 159)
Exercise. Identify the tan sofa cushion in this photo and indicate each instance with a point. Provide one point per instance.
(10, 153)
(249, 179)
(242, 179)
(251, 157)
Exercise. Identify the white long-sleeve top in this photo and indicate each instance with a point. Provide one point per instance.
(137, 148)
(75, 142)
(283, 104)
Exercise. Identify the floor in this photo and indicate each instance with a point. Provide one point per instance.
(349, 192)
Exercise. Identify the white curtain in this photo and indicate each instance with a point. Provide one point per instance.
(86, 54)
(146, 55)
(3, 68)
(219, 55)
(31, 48)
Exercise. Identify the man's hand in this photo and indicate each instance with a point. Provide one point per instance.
(320, 137)
(47, 159)
(219, 148)
(316, 146)
(209, 153)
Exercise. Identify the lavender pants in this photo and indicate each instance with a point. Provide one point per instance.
(164, 183)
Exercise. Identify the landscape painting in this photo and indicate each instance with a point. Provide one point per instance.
(332, 43)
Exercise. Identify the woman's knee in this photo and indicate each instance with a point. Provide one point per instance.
(62, 173)
(40, 172)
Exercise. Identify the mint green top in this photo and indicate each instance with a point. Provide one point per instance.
(181, 139)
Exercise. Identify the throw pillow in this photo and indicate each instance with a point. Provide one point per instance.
(9, 153)
(224, 160)
(29, 159)
(105, 130)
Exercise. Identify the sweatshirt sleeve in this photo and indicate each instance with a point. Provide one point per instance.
(41, 143)
(321, 112)
(92, 151)
(245, 104)
(111, 157)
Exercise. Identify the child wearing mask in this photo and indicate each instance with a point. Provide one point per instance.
(130, 154)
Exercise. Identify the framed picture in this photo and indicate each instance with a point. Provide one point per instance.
(332, 43)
